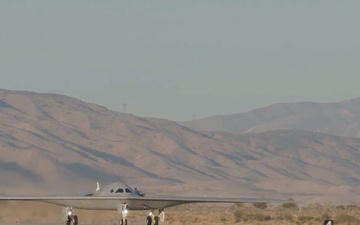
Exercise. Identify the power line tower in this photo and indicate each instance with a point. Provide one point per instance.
(193, 117)
(125, 108)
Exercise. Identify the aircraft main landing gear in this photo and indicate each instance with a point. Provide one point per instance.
(70, 217)
(123, 222)
(155, 218)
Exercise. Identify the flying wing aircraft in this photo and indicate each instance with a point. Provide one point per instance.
(121, 197)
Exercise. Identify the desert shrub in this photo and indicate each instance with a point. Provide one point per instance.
(340, 207)
(223, 219)
(325, 217)
(289, 205)
(285, 217)
(346, 219)
(260, 205)
(352, 207)
(239, 215)
(239, 204)
(267, 218)
(315, 206)
(260, 217)
(305, 218)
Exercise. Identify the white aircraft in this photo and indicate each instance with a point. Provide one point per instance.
(121, 197)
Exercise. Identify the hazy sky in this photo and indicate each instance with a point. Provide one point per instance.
(176, 59)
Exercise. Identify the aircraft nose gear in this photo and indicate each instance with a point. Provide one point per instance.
(69, 216)
(123, 211)
(161, 215)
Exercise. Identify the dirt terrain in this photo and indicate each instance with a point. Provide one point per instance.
(197, 214)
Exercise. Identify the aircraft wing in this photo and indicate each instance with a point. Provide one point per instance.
(134, 203)
(121, 197)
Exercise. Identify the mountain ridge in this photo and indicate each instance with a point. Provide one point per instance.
(337, 118)
(51, 142)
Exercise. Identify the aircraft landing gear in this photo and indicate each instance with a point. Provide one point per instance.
(157, 219)
(161, 215)
(149, 218)
(122, 210)
(70, 217)
(123, 222)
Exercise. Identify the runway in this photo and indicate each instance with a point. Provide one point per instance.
(129, 223)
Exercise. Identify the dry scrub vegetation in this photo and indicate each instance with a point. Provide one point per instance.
(216, 214)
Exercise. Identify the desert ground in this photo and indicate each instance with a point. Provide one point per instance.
(195, 214)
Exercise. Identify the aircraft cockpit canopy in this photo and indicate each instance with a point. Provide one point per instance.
(121, 190)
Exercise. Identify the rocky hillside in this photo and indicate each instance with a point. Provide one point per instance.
(52, 143)
(341, 118)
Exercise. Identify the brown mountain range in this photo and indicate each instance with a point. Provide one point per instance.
(56, 144)
(340, 118)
